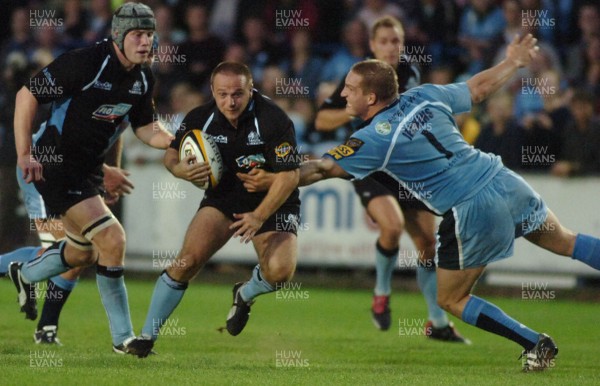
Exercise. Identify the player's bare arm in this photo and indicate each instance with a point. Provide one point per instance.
(155, 135)
(331, 119)
(116, 182)
(25, 108)
(316, 170)
(284, 183)
(186, 169)
(257, 180)
(519, 54)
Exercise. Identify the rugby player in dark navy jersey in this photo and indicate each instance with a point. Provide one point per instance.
(250, 131)
(92, 91)
(381, 202)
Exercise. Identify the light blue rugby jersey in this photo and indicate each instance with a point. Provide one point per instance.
(415, 140)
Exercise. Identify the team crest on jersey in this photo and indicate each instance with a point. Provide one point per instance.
(136, 88)
(383, 128)
(254, 139)
(106, 86)
(250, 161)
(109, 113)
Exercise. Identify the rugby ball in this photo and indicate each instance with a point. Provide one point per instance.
(205, 149)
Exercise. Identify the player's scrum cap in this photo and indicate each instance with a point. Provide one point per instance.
(128, 17)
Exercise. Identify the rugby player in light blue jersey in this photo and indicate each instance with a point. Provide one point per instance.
(414, 139)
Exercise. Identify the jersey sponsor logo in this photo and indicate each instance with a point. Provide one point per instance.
(254, 139)
(136, 88)
(383, 128)
(250, 161)
(106, 86)
(220, 138)
(283, 149)
(109, 113)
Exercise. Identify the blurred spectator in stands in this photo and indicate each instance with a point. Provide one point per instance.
(260, 50)
(580, 139)
(289, 96)
(588, 23)
(75, 20)
(202, 50)
(543, 128)
(302, 64)
(539, 19)
(589, 78)
(15, 73)
(469, 126)
(501, 135)
(48, 46)
(164, 26)
(435, 24)
(480, 26)
(372, 10)
(530, 86)
(440, 75)
(100, 21)
(236, 52)
(20, 39)
(223, 18)
(355, 39)
(284, 17)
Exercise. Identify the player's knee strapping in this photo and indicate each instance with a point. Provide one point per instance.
(79, 242)
(98, 224)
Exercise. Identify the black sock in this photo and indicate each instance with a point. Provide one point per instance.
(56, 297)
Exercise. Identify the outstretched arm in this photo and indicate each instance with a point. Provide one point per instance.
(519, 54)
(155, 135)
(321, 169)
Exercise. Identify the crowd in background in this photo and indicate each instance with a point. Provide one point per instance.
(299, 51)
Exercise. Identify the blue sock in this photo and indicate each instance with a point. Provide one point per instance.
(255, 286)
(427, 281)
(50, 263)
(587, 250)
(22, 254)
(488, 317)
(165, 298)
(63, 283)
(113, 294)
(385, 262)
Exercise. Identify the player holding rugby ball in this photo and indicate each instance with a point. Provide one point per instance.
(250, 131)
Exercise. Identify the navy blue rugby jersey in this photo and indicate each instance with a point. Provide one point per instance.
(265, 138)
(91, 94)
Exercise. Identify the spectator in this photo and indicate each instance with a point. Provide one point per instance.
(480, 26)
(260, 50)
(101, 19)
(376, 9)
(436, 26)
(590, 76)
(202, 50)
(164, 26)
(581, 139)
(543, 127)
(355, 40)
(587, 22)
(501, 135)
(302, 64)
(20, 39)
(75, 20)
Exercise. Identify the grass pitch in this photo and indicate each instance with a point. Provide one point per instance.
(309, 336)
